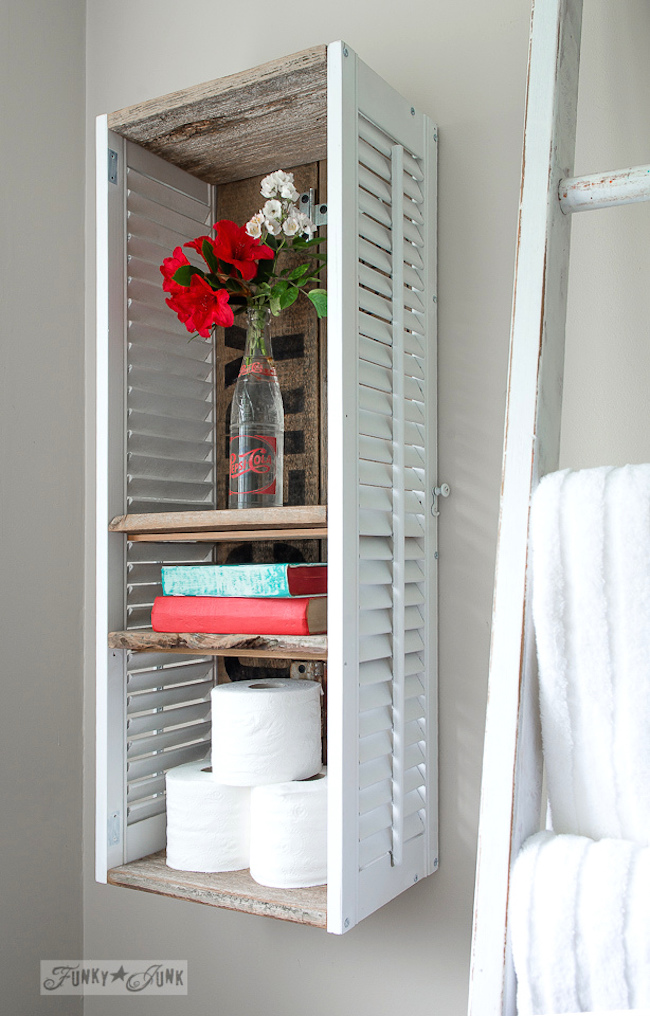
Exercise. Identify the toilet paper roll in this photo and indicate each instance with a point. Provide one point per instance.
(289, 833)
(266, 731)
(208, 824)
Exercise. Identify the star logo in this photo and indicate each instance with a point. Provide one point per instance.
(120, 974)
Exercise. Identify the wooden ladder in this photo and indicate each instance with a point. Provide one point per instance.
(511, 794)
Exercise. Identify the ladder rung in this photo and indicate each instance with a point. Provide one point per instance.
(602, 190)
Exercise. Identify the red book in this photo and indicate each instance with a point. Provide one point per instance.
(240, 615)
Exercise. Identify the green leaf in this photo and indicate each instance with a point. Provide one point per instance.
(208, 254)
(275, 305)
(289, 297)
(279, 288)
(183, 275)
(297, 272)
(319, 299)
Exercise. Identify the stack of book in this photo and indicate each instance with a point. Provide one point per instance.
(243, 599)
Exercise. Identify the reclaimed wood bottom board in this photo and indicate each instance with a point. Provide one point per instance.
(286, 647)
(232, 890)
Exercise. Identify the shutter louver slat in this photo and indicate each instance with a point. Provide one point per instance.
(373, 523)
(375, 796)
(164, 760)
(376, 672)
(374, 548)
(375, 328)
(374, 847)
(150, 786)
(373, 696)
(168, 197)
(374, 622)
(142, 207)
(165, 676)
(375, 771)
(375, 257)
(158, 742)
(368, 181)
(376, 281)
(373, 721)
(173, 717)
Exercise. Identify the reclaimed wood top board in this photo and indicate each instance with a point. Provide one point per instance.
(234, 890)
(247, 124)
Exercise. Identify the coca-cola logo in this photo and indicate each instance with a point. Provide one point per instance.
(257, 460)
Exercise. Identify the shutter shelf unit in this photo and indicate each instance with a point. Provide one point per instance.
(360, 437)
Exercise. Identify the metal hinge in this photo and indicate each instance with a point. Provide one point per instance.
(316, 212)
(114, 830)
(444, 490)
(112, 166)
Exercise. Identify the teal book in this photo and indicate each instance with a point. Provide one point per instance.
(245, 580)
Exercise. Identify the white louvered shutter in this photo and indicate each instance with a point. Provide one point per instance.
(382, 739)
(156, 390)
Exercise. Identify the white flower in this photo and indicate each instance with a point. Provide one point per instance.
(291, 224)
(306, 225)
(272, 184)
(254, 225)
(272, 226)
(289, 192)
(272, 210)
(269, 186)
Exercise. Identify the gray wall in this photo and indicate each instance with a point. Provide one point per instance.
(465, 65)
(42, 141)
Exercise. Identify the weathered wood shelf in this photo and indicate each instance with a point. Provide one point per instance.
(286, 647)
(296, 522)
(247, 119)
(233, 890)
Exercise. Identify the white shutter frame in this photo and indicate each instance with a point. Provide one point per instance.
(379, 844)
(109, 501)
(128, 824)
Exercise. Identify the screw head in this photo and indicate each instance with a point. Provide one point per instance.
(412, 110)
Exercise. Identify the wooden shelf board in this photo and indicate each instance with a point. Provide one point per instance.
(241, 536)
(284, 647)
(202, 128)
(233, 522)
(234, 890)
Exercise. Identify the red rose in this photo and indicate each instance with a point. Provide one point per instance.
(199, 306)
(234, 246)
(169, 267)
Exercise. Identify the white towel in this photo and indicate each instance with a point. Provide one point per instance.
(590, 534)
(580, 925)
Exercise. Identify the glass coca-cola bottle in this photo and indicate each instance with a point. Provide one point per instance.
(257, 422)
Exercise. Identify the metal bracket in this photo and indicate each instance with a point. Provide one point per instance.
(444, 490)
(114, 829)
(317, 213)
(308, 670)
(112, 166)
